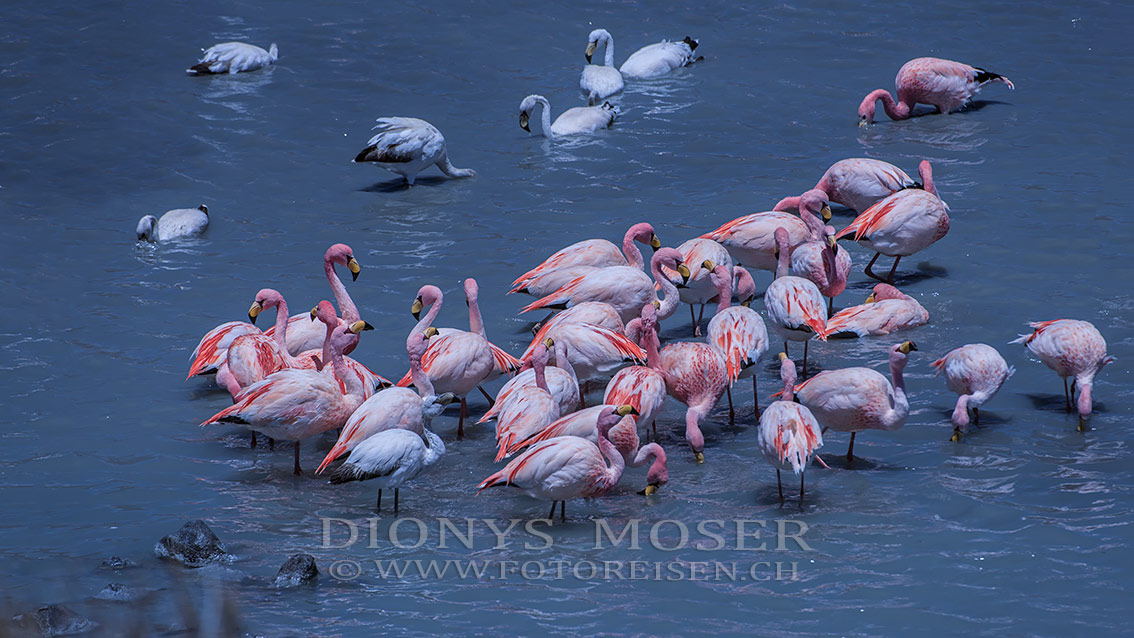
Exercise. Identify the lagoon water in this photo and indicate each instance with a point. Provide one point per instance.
(1022, 528)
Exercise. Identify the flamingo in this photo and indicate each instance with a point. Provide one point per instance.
(1071, 348)
(789, 435)
(594, 352)
(234, 57)
(737, 332)
(657, 59)
(857, 183)
(819, 259)
(751, 239)
(178, 223)
(312, 359)
(904, 223)
(794, 304)
(407, 146)
(625, 288)
(303, 335)
(642, 387)
(254, 356)
(976, 372)
(696, 375)
(393, 408)
(564, 468)
(529, 410)
(595, 313)
(560, 378)
(391, 458)
(298, 404)
(857, 399)
(574, 121)
(699, 289)
(600, 81)
(944, 84)
(598, 253)
(886, 310)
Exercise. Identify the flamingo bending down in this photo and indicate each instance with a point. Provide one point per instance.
(1071, 348)
(574, 121)
(564, 468)
(393, 408)
(699, 288)
(598, 253)
(625, 288)
(391, 458)
(642, 387)
(297, 404)
(900, 225)
(794, 304)
(600, 81)
(975, 372)
(751, 239)
(407, 146)
(584, 423)
(529, 410)
(944, 84)
(560, 378)
(857, 183)
(789, 436)
(856, 399)
(737, 332)
(886, 310)
(234, 57)
(696, 375)
(819, 259)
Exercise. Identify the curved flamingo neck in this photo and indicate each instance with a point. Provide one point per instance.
(427, 320)
(629, 247)
(617, 462)
(724, 289)
(787, 204)
(897, 366)
(894, 110)
(1083, 403)
(346, 304)
(280, 334)
(539, 364)
(925, 171)
(810, 217)
(420, 380)
(671, 301)
(788, 375)
(647, 452)
(338, 364)
(650, 343)
(563, 363)
(476, 322)
(960, 416)
(782, 262)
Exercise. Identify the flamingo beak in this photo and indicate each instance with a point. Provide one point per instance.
(549, 343)
(359, 326)
(524, 121)
(352, 264)
(625, 410)
(783, 356)
(683, 270)
(907, 347)
(708, 265)
(430, 332)
(655, 243)
(871, 298)
(700, 457)
(314, 313)
(254, 311)
(862, 122)
(415, 309)
(650, 490)
(825, 212)
(590, 51)
(657, 304)
(833, 244)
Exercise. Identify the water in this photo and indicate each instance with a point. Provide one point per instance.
(1023, 527)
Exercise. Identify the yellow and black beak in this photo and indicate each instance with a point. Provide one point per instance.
(871, 298)
(650, 490)
(359, 326)
(700, 456)
(352, 265)
(524, 121)
(549, 343)
(833, 244)
(254, 311)
(862, 121)
(590, 51)
(907, 347)
(626, 410)
(657, 304)
(708, 265)
(783, 356)
(314, 313)
(655, 243)
(683, 270)
(430, 332)
(415, 309)
(825, 212)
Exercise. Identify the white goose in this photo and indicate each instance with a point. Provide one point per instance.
(233, 57)
(575, 121)
(658, 59)
(174, 224)
(407, 146)
(600, 81)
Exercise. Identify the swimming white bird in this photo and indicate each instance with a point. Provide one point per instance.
(581, 119)
(407, 146)
(391, 458)
(174, 224)
(233, 57)
(600, 82)
(658, 59)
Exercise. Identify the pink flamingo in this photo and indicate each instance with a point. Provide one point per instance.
(598, 253)
(564, 468)
(642, 387)
(393, 408)
(625, 288)
(1071, 348)
(530, 410)
(254, 356)
(794, 304)
(595, 313)
(944, 84)
(699, 289)
(976, 372)
(560, 378)
(857, 399)
(886, 310)
(789, 435)
(819, 259)
(751, 239)
(595, 352)
(900, 225)
(297, 404)
(737, 332)
(696, 375)
(857, 183)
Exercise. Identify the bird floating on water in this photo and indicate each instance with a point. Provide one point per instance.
(233, 57)
(178, 223)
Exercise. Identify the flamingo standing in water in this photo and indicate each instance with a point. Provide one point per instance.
(1071, 348)
(900, 225)
(789, 435)
(642, 387)
(975, 372)
(737, 332)
(794, 304)
(944, 84)
(253, 356)
(819, 259)
(751, 239)
(564, 468)
(857, 183)
(699, 289)
(596, 253)
(595, 313)
(298, 404)
(886, 310)
(529, 410)
(696, 375)
(560, 378)
(856, 399)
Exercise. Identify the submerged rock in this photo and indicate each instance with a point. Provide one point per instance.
(117, 563)
(55, 620)
(298, 570)
(194, 545)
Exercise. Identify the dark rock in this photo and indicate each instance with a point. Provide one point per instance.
(55, 620)
(117, 592)
(194, 545)
(298, 570)
(117, 563)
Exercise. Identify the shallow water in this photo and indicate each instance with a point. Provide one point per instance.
(1023, 527)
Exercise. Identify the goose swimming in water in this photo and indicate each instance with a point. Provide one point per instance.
(658, 59)
(174, 224)
(600, 81)
(233, 57)
(581, 119)
(407, 146)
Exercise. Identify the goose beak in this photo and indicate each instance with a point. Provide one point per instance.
(359, 326)
(655, 243)
(825, 212)
(352, 264)
(254, 311)
(524, 121)
(415, 309)
(590, 51)
(314, 313)
(700, 457)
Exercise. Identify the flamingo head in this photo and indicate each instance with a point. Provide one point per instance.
(783, 241)
(471, 291)
(658, 474)
(815, 201)
(671, 258)
(610, 416)
(744, 284)
(866, 109)
(721, 278)
(325, 311)
(342, 255)
(147, 226)
(266, 298)
(426, 296)
(526, 108)
(882, 292)
(643, 233)
(417, 343)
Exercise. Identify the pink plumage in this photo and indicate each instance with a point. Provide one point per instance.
(944, 84)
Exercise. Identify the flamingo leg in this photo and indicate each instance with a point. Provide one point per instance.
(491, 401)
(780, 485)
(803, 374)
(253, 439)
(461, 420)
(582, 396)
(1066, 395)
(869, 272)
(563, 510)
(378, 506)
(893, 269)
(785, 349)
(976, 416)
(830, 306)
(395, 501)
(755, 398)
(693, 320)
(298, 472)
(850, 449)
(700, 316)
(731, 416)
(271, 444)
(801, 488)
(551, 514)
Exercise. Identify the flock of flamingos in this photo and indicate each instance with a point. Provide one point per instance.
(295, 380)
